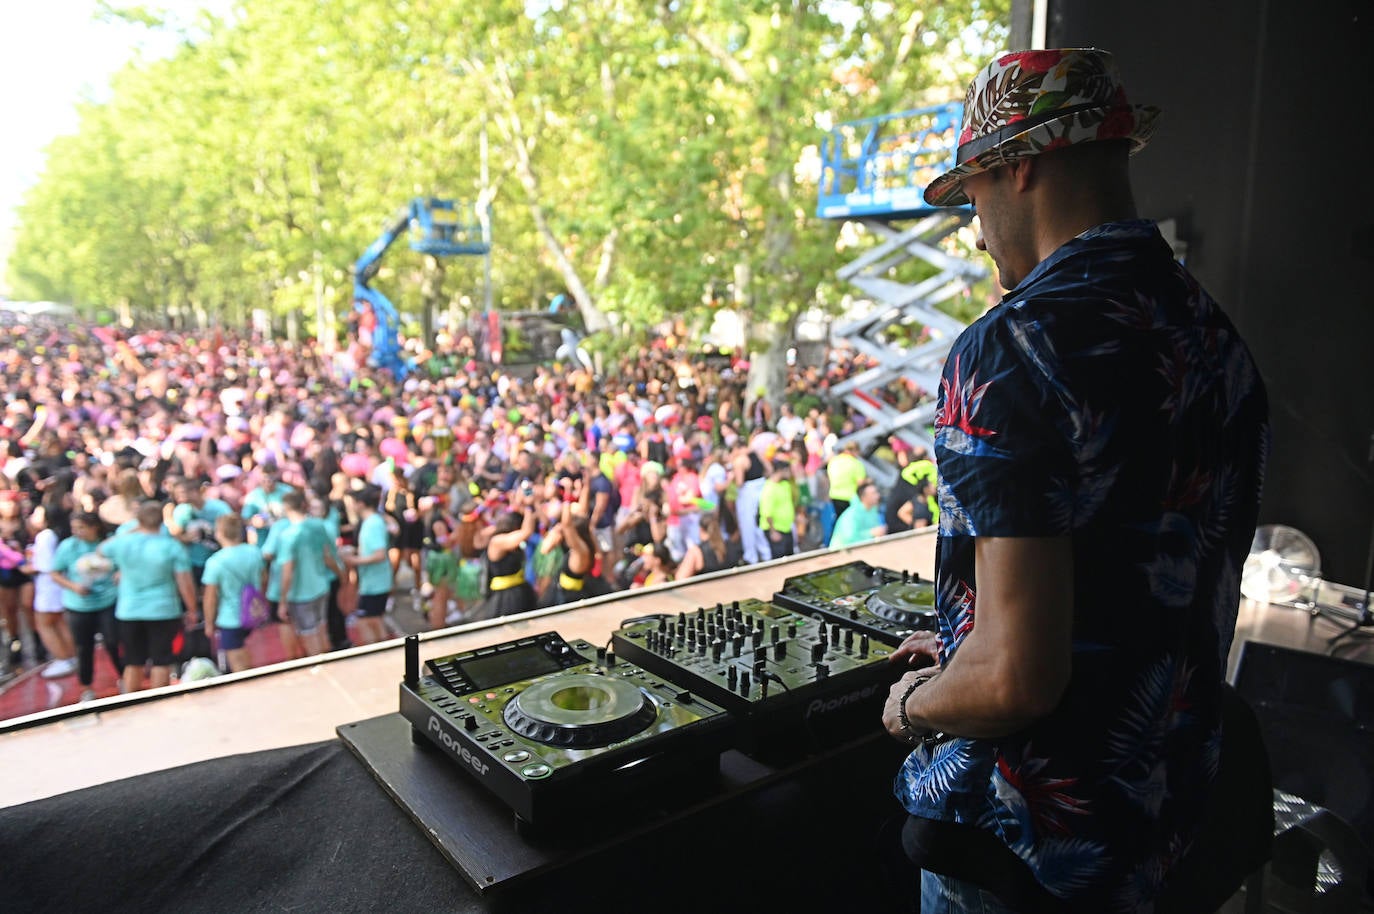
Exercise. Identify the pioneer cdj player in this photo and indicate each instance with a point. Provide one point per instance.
(538, 720)
(887, 605)
(796, 683)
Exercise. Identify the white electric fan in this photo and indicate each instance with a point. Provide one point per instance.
(1283, 567)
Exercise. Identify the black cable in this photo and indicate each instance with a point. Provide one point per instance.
(773, 677)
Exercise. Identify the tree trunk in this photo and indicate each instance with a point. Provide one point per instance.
(431, 296)
(768, 368)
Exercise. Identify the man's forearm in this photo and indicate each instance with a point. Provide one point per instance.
(187, 588)
(972, 697)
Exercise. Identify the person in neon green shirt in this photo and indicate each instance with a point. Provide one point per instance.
(844, 472)
(778, 510)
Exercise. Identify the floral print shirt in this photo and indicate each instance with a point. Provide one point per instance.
(1109, 400)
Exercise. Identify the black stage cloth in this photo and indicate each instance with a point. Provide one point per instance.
(308, 829)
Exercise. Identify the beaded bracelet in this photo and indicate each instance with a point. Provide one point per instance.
(930, 736)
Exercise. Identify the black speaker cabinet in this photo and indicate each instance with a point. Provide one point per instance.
(1317, 716)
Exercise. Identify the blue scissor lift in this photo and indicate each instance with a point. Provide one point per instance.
(441, 228)
(874, 172)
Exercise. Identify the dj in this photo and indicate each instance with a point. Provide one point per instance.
(1101, 437)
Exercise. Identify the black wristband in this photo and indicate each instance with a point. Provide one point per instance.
(905, 721)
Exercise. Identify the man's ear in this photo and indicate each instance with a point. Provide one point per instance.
(1022, 173)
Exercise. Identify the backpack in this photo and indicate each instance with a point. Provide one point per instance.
(254, 609)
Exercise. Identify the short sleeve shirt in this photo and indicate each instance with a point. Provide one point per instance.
(202, 546)
(148, 564)
(98, 577)
(271, 551)
(303, 545)
(230, 571)
(374, 577)
(1106, 399)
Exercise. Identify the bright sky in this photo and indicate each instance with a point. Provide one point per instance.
(53, 53)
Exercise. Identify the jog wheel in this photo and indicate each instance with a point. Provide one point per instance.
(580, 711)
(911, 604)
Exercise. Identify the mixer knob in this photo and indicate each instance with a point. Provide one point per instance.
(848, 640)
(610, 658)
(734, 606)
(744, 683)
(906, 577)
(853, 613)
(780, 650)
(863, 645)
(663, 623)
(760, 655)
(470, 722)
(791, 629)
(737, 643)
(817, 651)
(775, 633)
(757, 637)
(717, 648)
(822, 670)
(731, 677)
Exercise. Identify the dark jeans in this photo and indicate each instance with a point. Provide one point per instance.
(85, 626)
(334, 620)
(945, 895)
(781, 547)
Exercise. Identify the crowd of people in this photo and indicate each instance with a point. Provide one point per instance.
(157, 484)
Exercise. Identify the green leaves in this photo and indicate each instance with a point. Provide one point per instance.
(639, 153)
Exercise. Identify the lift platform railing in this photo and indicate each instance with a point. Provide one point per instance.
(880, 166)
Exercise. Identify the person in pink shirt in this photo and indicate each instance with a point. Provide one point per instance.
(684, 513)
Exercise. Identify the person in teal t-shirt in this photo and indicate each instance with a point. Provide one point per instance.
(328, 512)
(227, 573)
(265, 498)
(192, 521)
(88, 596)
(372, 565)
(306, 558)
(861, 521)
(155, 586)
(269, 545)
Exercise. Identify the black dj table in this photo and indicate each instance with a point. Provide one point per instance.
(311, 828)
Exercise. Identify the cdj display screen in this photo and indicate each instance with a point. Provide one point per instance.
(834, 583)
(508, 666)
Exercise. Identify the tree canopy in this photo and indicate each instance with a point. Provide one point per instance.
(645, 157)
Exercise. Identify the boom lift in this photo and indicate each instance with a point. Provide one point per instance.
(436, 227)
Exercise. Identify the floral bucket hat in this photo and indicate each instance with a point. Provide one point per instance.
(1029, 102)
